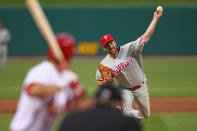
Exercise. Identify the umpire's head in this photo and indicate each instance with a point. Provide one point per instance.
(108, 94)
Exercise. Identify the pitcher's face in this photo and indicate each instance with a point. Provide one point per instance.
(110, 48)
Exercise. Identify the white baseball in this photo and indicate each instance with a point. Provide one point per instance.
(160, 8)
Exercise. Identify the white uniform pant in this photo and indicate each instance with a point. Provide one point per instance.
(3, 54)
(141, 98)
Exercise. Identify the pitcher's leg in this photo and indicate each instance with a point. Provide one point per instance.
(127, 101)
(141, 97)
(4, 55)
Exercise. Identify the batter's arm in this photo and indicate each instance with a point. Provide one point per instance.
(147, 35)
(42, 90)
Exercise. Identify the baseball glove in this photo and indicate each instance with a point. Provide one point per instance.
(106, 73)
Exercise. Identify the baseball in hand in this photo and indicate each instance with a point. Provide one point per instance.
(159, 8)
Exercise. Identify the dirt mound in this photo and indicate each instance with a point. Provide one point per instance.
(158, 105)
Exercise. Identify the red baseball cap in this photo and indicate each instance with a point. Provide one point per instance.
(105, 39)
(1, 24)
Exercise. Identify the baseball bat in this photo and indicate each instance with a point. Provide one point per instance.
(46, 30)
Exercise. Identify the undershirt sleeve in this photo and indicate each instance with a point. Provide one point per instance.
(98, 76)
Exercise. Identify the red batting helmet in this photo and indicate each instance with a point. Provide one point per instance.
(105, 39)
(67, 45)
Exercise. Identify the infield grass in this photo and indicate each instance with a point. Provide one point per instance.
(166, 77)
(171, 122)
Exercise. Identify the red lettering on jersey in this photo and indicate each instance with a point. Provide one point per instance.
(115, 70)
(120, 67)
(124, 64)
(130, 60)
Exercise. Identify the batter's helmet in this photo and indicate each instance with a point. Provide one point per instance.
(105, 39)
(67, 45)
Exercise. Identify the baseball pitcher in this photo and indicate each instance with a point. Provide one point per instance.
(125, 64)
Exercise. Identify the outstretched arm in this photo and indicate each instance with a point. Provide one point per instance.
(42, 90)
(157, 14)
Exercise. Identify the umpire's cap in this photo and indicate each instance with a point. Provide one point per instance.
(109, 92)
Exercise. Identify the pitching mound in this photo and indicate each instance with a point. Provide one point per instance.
(158, 105)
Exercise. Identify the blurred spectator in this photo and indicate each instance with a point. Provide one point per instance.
(103, 116)
(47, 90)
(4, 39)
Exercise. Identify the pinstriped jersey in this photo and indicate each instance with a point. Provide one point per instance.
(127, 66)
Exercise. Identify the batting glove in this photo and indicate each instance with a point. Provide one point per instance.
(78, 90)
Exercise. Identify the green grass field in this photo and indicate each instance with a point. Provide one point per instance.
(166, 78)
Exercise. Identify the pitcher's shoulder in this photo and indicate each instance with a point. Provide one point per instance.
(105, 61)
